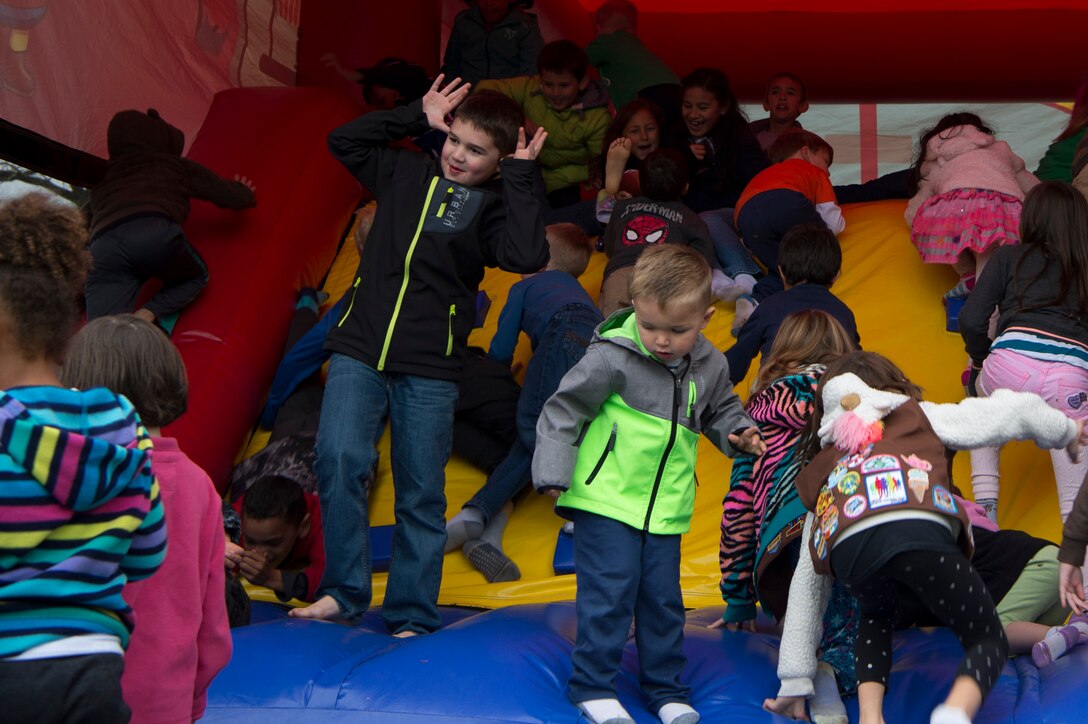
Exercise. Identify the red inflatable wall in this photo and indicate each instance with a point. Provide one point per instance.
(232, 337)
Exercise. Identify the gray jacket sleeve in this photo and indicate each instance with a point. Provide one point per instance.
(725, 414)
(565, 414)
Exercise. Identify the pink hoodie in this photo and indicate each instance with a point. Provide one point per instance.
(182, 637)
(964, 157)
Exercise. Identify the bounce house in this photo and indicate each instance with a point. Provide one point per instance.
(249, 82)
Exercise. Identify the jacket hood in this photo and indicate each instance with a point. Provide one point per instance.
(620, 329)
(78, 461)
(139, 132)
(959, 140)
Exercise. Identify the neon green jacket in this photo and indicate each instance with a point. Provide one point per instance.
(575, 135)
(620, 433)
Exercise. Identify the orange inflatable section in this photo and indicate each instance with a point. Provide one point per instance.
(232, 336)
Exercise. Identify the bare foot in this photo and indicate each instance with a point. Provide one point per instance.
(405, 634)
(323, 609)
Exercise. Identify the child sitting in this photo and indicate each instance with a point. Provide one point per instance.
(656, 217)
(282, 546)
(809, 261)
(571, 106)
(795, 190)
(559, 318)
(492, 39)
(648, 370)
(136, 215)
(626, 65)
(81, 513)
(183, 637)
(785, 100)
(399, 346)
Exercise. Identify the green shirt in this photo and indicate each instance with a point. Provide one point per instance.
(627, 66)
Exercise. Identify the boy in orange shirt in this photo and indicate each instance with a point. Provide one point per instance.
(795, 190)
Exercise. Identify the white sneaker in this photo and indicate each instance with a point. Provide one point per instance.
(677, 713)
(605, 711)
(945, 714)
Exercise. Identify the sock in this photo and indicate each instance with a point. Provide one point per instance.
(945, 714)
(826, 705)
(307, 299)
(486, 555)
(1079, 621)
(745, 306)
(746, 282)
(167, 322)
(990, 506)
(722, 287)
(1054, 645)
(463, 527)
(605, 711)
(677, 713)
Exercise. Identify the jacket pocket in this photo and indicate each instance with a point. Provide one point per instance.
(449, 329)
(604, 455)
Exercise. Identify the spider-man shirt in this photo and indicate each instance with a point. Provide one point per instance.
(639, 222)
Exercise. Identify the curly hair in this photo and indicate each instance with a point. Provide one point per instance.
(43, 263)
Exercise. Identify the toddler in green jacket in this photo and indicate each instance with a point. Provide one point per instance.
(616, 444)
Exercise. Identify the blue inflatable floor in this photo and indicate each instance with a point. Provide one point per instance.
(511, 665)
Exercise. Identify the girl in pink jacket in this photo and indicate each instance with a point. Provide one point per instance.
(970, 190)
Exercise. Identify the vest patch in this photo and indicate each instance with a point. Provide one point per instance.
(886, 488)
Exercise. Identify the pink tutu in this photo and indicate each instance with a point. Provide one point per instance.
(965, 220)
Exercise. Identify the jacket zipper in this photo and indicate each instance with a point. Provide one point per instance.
(404, 281)
(449, 339)
(354, 291)
(607, 449)
(668, 446)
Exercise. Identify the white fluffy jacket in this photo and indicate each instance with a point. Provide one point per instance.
(973, 423)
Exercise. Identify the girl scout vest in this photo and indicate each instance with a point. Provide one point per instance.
(905, 470)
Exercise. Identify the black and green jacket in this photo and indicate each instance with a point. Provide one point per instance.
(620, 434)
(412, 303)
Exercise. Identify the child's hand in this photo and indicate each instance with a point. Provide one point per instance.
(1078, 442)
(248, 183)
(788, 706)
(749, 625)
(232, 556)
(1071, 587)
(438, 104)
(698, 150)
(257, 568)
(553, 492)
(749, 441)
(529, 151)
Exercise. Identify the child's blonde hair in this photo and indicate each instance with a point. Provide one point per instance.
(569, 248)
(617, 15)
(671, 276)
(807, 337)
(134, 358)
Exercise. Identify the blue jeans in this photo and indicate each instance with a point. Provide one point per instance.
(625, 572)
(353, 410)
(733, 258)
(303, 359)
(563, 343)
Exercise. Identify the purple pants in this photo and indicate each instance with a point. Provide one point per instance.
(1064, 387)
